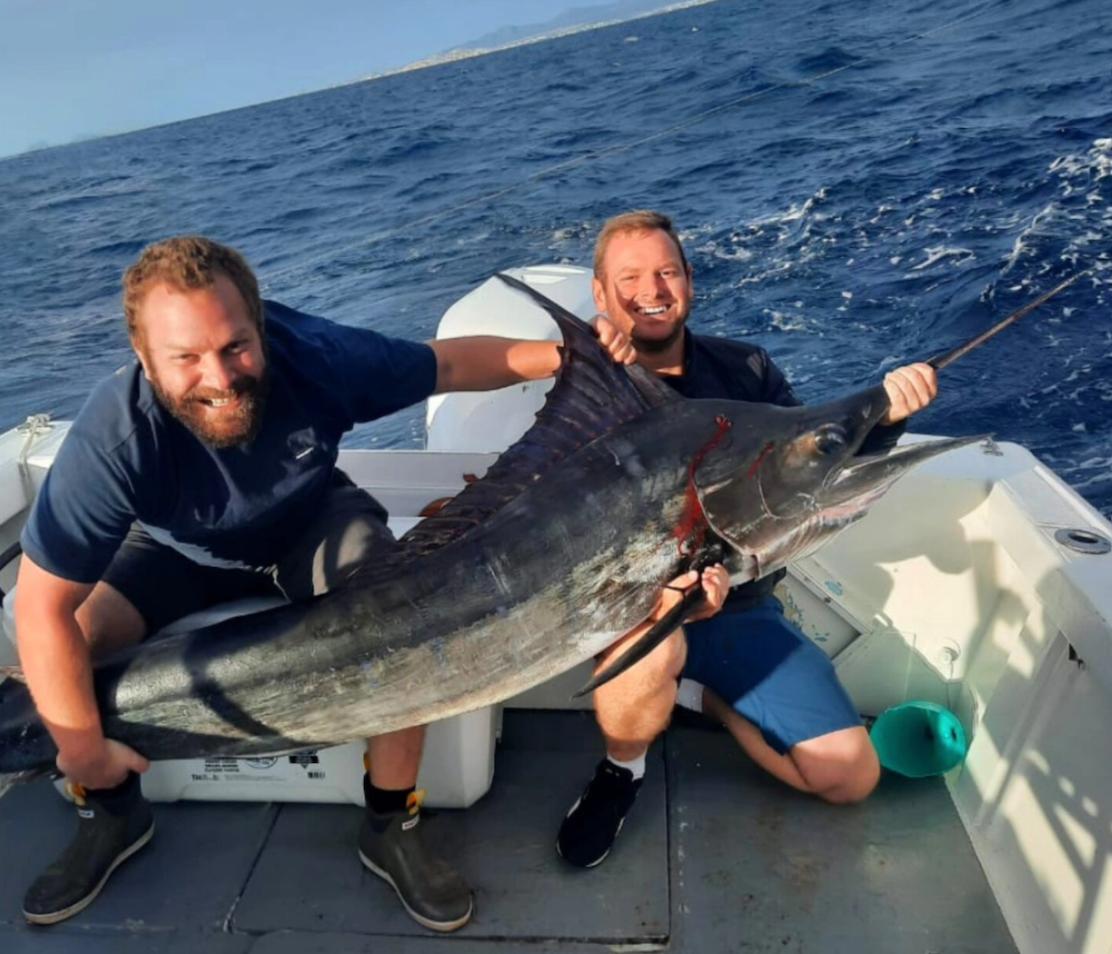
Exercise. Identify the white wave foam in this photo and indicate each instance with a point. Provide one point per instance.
(735, 254)
(938, 252)
(785, 322)
(1081, 213)
(1096, 480)
(794, 212)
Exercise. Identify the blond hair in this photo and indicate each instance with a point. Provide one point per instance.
(640, 220)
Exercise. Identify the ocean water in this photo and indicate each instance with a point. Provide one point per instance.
(858, 185)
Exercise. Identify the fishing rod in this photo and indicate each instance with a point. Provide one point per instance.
(943, 360)
(694, 597)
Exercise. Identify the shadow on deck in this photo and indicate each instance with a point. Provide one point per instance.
(715, 857)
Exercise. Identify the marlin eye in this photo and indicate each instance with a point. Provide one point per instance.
(830, 440)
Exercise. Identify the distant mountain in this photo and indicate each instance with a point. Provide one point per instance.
(572, 20)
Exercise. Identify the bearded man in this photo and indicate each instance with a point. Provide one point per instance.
(206, 471)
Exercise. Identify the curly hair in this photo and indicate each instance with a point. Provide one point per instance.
(640, 220)
(186, 263)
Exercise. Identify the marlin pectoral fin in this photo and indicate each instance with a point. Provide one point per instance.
(591, 397)
(652, 390)
(692, 600)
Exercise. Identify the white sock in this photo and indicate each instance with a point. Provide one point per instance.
(636, 766)
(690, 695)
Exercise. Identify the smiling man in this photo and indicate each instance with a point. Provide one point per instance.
(748, 666)
(220, 403)
(203, 472)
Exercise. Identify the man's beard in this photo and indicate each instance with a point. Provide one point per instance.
(657, 345)
(230, 429)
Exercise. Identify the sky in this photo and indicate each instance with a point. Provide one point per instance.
(72, 69)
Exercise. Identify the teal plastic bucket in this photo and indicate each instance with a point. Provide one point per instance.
(918, 739)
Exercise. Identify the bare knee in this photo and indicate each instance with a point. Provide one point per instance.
(634, 708)
(662, 667)
(853, 787)
(840, 768)
(109, 621)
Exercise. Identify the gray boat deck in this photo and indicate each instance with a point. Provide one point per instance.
(715, 857)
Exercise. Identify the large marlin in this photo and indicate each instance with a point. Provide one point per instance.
(560, 549)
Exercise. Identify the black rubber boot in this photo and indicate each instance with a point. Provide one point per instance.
(392, 846)
(112, 825)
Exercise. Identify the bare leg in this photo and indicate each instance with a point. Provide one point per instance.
(395, 758)
(391, 843)
(634, 708)
(839, 767)
(109, 621)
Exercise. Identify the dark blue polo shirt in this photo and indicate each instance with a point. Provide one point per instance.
(127, 459)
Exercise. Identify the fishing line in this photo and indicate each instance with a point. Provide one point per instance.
(617, 149)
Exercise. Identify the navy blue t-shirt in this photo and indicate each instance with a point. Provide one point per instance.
(730, 370)
(126, 459)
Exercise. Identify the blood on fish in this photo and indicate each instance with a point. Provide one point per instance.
(761, 456)
(692, 526)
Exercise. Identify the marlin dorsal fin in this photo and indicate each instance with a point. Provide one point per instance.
(592, 395)
(654, 391)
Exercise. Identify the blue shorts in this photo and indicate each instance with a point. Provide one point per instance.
(772, 674)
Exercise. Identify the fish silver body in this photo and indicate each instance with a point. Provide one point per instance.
(548, 581)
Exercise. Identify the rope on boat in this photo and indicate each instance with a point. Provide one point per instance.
(618, 148)
(35, 426)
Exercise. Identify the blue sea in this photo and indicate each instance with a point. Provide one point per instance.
(858, 185)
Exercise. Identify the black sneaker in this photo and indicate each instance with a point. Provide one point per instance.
(113, 824)
(392, 846)
(588, 831)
